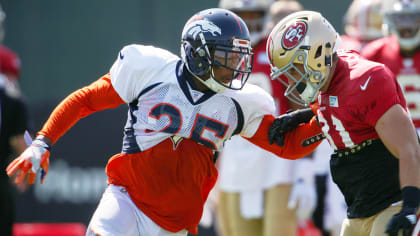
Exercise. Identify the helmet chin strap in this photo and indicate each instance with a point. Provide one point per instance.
(310, 93)
(211, 83)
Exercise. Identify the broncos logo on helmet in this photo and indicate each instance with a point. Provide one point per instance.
(203, 26)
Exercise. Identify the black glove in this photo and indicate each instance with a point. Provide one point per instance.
(406, 219)
(284, 123)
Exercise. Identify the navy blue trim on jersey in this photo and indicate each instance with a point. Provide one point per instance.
(148, 89)
(185, 79)
(240, 118)
(129, 141)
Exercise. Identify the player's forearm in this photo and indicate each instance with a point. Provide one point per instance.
(98, 96)
(293, 148)
(410, 168)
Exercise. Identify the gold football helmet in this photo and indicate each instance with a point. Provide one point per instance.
(301, 47)
(363, 20)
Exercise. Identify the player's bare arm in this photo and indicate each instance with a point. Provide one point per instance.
(396, 130)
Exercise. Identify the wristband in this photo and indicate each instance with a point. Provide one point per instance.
(41, 143)
(411, 197)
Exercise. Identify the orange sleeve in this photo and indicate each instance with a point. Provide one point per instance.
(292, 148)
(97, 96)
(314, 107)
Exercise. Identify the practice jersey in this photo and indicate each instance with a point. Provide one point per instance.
(172, 131)
(164, 104)
(406, 69)
(360, 92)
(9, 62)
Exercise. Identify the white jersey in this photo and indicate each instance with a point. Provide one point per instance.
(164, 104)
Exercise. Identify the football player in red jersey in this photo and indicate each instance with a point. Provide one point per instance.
(280, 191)
(400, 50)
(180, 111)
(362, 24)
(363, 113)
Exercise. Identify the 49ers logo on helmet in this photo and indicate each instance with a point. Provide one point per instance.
(293, 35)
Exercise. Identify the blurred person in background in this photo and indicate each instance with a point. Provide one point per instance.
(362, 24)
(13, 123)
(400, 49)
(259, 193)
(181, 110)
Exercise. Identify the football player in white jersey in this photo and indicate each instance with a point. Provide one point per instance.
(180, 111)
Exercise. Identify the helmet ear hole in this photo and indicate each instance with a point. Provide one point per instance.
(195, 59)
(318, 52)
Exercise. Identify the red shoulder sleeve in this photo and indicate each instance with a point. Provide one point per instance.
(97, 96)
(292, 148)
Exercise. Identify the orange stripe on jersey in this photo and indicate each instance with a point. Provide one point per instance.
(97, 96)
(292, 148)
(170, 185)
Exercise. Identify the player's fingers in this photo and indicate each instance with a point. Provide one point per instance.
(280, 139)
(14, 166)
(45, 163)
(44, 168)
(11, 164)
(20, 176)
(43, 175)
(31, 178)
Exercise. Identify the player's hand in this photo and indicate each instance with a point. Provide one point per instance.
(403, 222)
(284, 123)
(303, 198)
(406, 219)
(33, 160)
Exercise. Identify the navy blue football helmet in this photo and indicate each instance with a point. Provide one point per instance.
(217, 38)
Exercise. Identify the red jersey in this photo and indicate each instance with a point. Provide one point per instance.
(406, 69)
(9, 62)
(360, 92)
(262, 65)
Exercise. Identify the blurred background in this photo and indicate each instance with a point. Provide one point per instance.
(64, 45)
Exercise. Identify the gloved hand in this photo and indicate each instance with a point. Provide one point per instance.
(35, 157)
(284, 123)
(406, 219)
(303, 195)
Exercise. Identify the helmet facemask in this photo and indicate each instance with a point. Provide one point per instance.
(301, 48)
(302, 89)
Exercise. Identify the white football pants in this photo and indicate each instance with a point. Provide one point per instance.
(118, 215)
